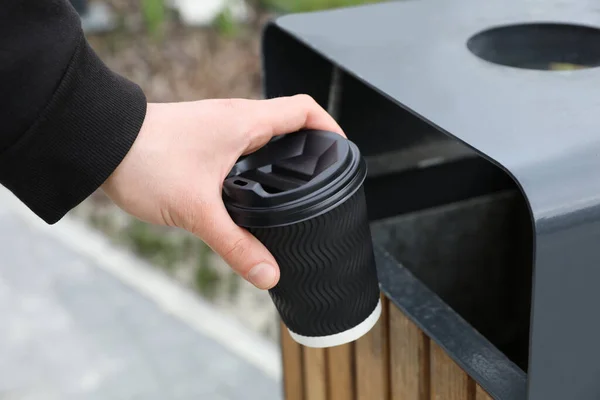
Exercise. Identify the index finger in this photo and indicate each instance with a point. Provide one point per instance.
(285, 115)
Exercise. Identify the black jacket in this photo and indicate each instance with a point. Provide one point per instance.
(66, 120)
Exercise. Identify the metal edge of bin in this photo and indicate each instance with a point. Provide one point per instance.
(479, 358)
(548, 125)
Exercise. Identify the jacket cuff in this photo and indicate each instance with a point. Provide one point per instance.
(79, 139)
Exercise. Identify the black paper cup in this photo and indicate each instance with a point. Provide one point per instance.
(302, 196)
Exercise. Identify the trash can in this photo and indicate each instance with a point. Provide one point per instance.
(479, 123)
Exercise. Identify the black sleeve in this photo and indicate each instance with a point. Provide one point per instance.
(66, 120)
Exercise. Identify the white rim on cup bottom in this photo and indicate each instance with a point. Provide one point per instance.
(342, 337)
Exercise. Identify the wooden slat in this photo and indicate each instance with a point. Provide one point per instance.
(340, 371)
(395, 361)
(448, 381)
(293, 387)
(372, 358)
(409, 358)
(315, 374)
(481, 394)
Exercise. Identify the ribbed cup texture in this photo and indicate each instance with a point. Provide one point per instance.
(328, 277)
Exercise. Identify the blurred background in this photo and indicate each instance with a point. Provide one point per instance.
(102, 306)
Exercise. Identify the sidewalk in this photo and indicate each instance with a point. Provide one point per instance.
(81, 320)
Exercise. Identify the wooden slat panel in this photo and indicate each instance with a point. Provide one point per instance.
(448, 381)
(340, 370)
(395, 361)
(481, 394)
(315, 374)
(293, 387)
(409, 358)
(372, 358)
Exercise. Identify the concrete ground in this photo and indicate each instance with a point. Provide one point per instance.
(81, 320)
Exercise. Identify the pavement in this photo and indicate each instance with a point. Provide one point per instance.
(80, 319)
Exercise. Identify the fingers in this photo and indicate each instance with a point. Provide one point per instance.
(289, 114)
(266, 118)
(240, 250)
(283, 115)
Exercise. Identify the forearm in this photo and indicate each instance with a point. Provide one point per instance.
(68, 121)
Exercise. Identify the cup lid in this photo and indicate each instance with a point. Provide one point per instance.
(293, 178)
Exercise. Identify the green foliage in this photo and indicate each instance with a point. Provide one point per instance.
(312, 5)
(207, 279)
(225, 23)
(154, 13)
(171, 249)
(155, 246)
(233, 284)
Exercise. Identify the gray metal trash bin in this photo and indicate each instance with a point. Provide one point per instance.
(484, 182)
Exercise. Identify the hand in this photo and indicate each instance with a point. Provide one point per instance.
(174, 172)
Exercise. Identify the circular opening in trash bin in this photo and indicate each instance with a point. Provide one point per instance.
(541, 46)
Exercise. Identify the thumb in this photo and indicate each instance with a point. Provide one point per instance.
(245, 254)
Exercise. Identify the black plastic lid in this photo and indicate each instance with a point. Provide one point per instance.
(293, 178)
